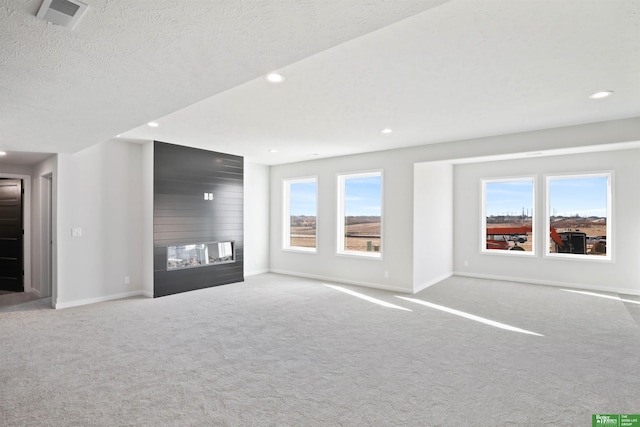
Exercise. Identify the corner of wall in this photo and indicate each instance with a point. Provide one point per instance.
(147, 218)
(257, 180)
(433, 224)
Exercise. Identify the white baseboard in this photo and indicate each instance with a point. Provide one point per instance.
(147, 294)
(431, 283)
(342, 280)
(549, 283)
(36, 292)
(76, 303)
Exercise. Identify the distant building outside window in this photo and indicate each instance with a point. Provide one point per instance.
(579, 216)
(508, 217)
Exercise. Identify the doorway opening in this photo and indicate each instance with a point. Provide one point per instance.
(16, 262)
(11, 235)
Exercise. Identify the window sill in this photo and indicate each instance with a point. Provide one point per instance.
(508, 253)
(579, 258)
(301, 250)
(361, 255)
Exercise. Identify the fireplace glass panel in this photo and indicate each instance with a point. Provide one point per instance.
(199, 255)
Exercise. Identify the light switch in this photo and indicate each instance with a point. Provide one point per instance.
(76, 232)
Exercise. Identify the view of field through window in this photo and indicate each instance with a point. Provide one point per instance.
(509, 215)
(578, 214)
(362, 209)
(302, 213)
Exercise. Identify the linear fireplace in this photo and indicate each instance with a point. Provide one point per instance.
(200, 255)
(197, 242)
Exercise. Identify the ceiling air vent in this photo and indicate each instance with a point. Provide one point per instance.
(62, 12)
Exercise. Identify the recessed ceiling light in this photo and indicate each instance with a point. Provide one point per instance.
(600, 95)
(275, 78)
(153, 124)
(118, 135)
(386, 131)
(272, 150)
(3, 153)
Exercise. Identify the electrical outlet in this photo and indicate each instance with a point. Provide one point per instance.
(76, 232)
(386, 274)
(466, 263)
(127, 280)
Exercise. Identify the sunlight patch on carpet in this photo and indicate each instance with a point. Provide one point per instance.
(593, 294)
(469, 316)
(366, 297)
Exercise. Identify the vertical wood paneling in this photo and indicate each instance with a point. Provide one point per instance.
(181, 215)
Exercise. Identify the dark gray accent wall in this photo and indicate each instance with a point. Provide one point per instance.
(181, 215)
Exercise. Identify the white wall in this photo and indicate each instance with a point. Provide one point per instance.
(621, 275)
(398, 213)
(397, 219)
(7, 168)
(256, 219)
(99, 191)
(432, 223)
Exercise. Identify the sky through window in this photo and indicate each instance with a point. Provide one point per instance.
(363, 196)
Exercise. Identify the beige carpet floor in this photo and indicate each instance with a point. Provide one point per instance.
(284, 351)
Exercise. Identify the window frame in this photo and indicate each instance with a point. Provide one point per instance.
(483, 217)
(286, 227)
(609, 256)
(340, 227)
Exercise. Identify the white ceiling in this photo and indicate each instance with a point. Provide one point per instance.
(433, 71)
(24, 158)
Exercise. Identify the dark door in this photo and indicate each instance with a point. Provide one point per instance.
(11, 235)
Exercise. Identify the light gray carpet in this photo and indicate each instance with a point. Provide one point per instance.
(284, 351)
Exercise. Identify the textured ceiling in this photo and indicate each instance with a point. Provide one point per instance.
(432, 71)
(129, 61)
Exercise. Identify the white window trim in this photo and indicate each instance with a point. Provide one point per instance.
(286, 217)
(341, 178)
(483, 217)
(609, 257)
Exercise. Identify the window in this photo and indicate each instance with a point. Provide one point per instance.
(300, 214)
(579, 216)
(360, 214)
(508, 216)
